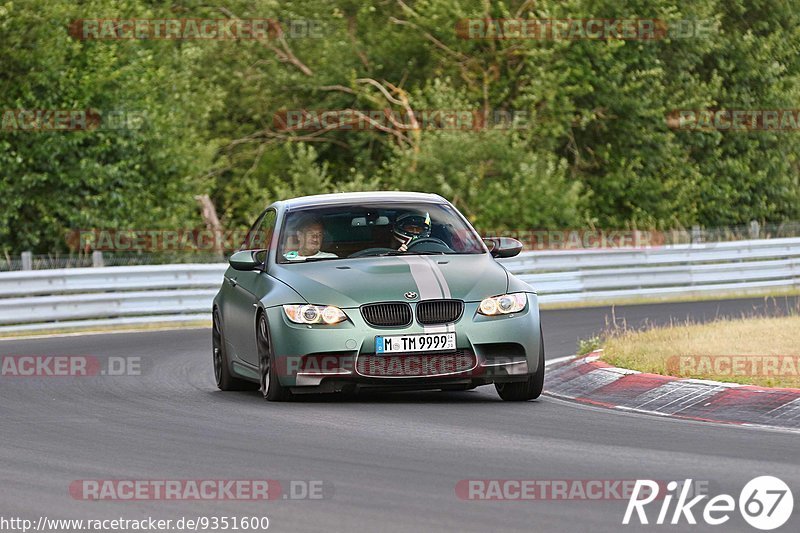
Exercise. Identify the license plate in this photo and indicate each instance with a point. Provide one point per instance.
(427, 342)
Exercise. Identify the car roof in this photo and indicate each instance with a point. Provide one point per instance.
(351, 197)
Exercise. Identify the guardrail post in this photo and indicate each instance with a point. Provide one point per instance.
(97, 259)
(697, 234)
(27, 261)
(755, 229)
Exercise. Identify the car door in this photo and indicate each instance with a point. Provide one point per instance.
(246, 289)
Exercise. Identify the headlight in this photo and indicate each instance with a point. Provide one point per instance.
(503, 304)
(314, 314)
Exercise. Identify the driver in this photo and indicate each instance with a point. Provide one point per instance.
(410, 227)
(309, 233)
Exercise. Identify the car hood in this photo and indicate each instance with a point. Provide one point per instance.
(353, 282)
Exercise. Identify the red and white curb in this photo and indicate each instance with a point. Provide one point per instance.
(591, 381)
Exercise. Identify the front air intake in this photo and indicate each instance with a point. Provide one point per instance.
(439, 311)
(389, 314)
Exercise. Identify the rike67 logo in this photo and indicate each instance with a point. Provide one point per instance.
(765, 503)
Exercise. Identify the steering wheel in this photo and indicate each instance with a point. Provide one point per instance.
(428, 240)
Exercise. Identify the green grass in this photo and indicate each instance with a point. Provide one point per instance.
(708, 351)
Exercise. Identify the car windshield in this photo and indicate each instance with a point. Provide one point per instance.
(379, 229)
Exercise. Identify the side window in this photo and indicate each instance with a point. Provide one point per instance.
(260, 235)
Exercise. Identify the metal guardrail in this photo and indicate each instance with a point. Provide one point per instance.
(586, 275)
(64, 298)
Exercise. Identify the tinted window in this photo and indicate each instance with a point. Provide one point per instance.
(260, 234)
(348, 231)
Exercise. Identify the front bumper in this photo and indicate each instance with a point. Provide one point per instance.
(320, 358)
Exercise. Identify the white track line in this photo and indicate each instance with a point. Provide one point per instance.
(559, 360)
(112, 332)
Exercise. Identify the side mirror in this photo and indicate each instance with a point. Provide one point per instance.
(503, 246)
(246, 260)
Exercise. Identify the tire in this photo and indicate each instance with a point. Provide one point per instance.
(529, 389)
(222, 373)
(270, 386)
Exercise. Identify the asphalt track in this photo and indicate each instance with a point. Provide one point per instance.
(392, 460)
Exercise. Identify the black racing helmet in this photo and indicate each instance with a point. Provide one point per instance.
(411, 226)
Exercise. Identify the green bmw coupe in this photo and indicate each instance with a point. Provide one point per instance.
(378, 290)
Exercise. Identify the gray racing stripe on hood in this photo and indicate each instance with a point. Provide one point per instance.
(437, 272)
(425, 278)
(443, 283)
(432, 284)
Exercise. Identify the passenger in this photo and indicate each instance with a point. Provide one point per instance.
(309, 236)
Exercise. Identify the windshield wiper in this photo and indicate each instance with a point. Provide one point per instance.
(310, 259)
